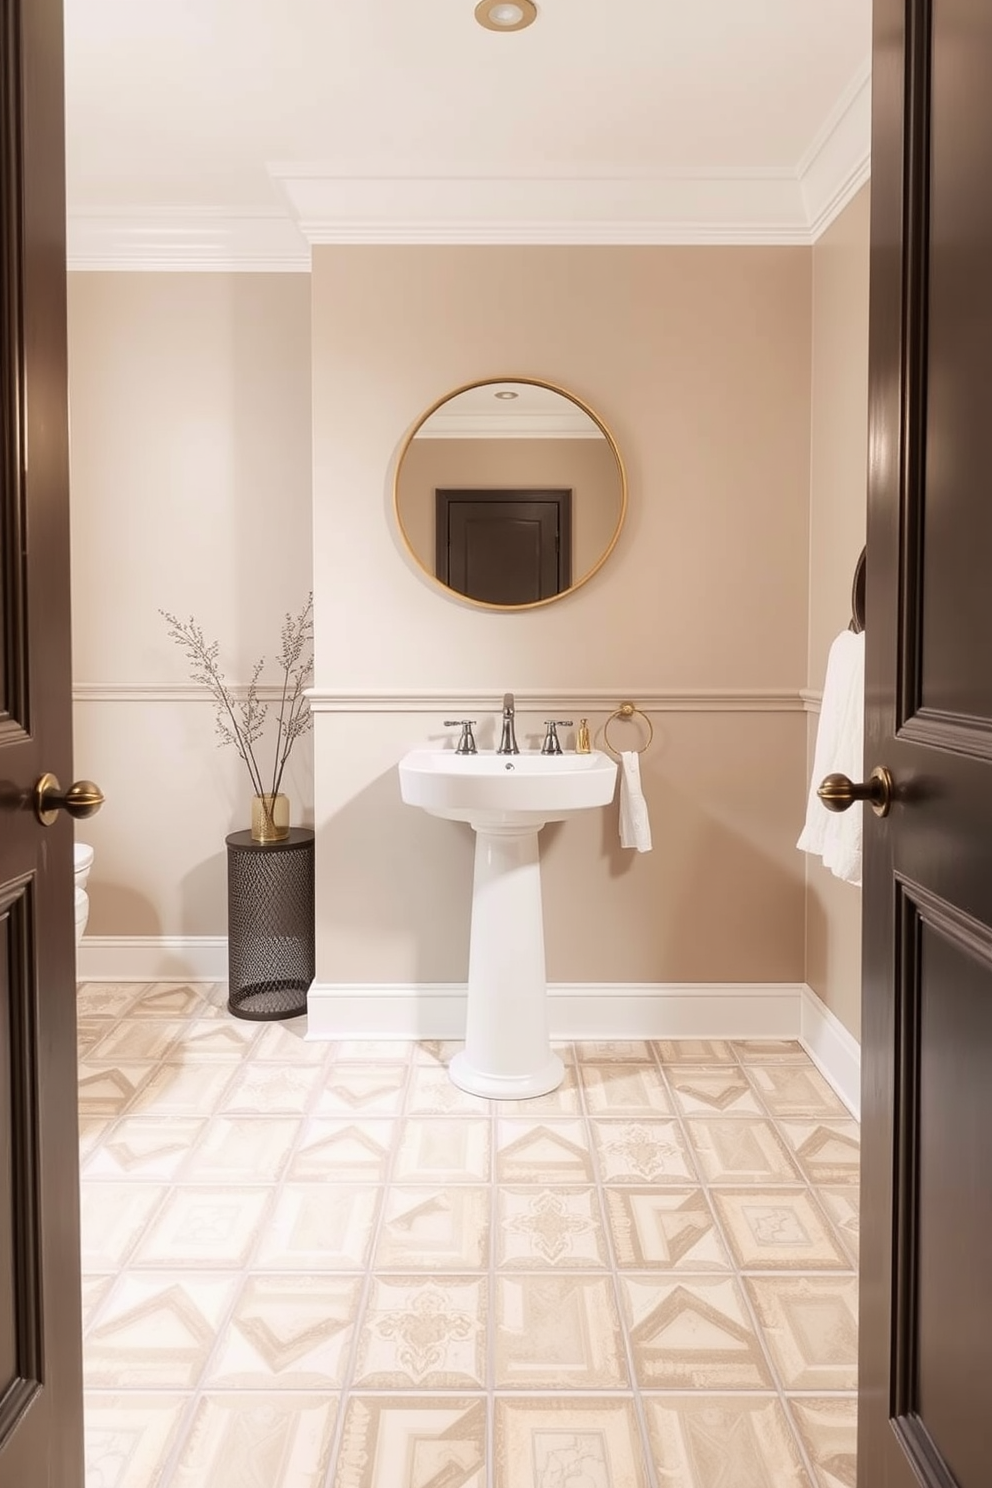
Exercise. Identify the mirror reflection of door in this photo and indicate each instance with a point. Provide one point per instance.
(504, 547)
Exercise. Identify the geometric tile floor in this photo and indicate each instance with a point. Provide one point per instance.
(323, 1266)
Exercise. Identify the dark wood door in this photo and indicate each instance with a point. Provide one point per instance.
(505, 547)
(926, 1261)
(40, 1372)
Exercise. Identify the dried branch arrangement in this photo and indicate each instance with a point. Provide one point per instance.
(241, 714)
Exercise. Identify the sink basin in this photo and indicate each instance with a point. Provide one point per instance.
(507, 799)
(526, 789)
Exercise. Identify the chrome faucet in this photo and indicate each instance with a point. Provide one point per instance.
(508, 738)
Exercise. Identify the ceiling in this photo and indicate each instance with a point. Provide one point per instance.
(206, 131)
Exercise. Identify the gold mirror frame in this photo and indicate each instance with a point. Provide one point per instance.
(536, 604)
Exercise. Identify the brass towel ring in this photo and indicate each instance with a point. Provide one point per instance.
(626, 712)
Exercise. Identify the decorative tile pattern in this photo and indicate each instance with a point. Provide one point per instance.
(407, 1439)
(810, 1324)
(582, 1440)
(692, 1334)
(276, 1440)
(434, 1229)
(828, 1428)
(743, 1441)
(665, 1230)
(540, 1227)
(738, 1151)
(558, 1332)
(323, 1266)
(423, 1333)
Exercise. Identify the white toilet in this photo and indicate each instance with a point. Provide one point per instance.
(83, 862)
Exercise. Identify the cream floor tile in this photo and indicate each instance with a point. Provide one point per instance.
(668, 1229)
(178, 1089)
(171, 1000)
(795, 1091)
(112, 1217)
(586, 1441)
(436, 1150)
(828, 1429)
(712, 1091)
(136, 1039)
(373, 1051)
(771, 1051)
(433, 1094)
(778, 1230)
(423, 1333)
(343, 1151)
(363, 1090)
(546, 1152)
(436, 1051)
(557, 1332)
(218, 1038)
(642, 1152)
(92, 1130)
(557, 1227)
(564, 1101)
(694, 1051)
(319, 1227)
(156, 1330)
(277, 1439)
(270, 1090)
(106, 999)
(90, 1031)
(286, 1043)
(108, 1090)
(412, 1440)
(206, 1227)
(692, 1333)
(743, 1441)
(736, 1150)
(844, 1209)
(129, 1436)
(828, 1151)
(810, 1324)
(625, 1090)
(288, 1333)
(145, 1147)
(242, 1150)
(620, 1051)
(93, 1290)
(434, 1229)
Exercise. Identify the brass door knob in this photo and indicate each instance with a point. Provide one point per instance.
(80, 800)
(838, 793)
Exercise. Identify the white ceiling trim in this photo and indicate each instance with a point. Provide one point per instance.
(759, 206)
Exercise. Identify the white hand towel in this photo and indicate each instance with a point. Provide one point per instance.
(840, 742)
(635, 827)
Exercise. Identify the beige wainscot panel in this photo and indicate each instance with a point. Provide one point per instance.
(720, 898)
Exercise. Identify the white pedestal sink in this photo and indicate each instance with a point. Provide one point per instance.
(507, 799)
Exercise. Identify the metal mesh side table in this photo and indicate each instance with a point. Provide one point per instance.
(270, 925)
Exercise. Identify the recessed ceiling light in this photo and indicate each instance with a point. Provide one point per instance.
(506, 394)
(506, 15)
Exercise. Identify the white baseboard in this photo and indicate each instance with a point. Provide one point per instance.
(577, 1010)
(835, 1051)
(152, 958)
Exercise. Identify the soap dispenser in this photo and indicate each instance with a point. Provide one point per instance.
(582, 744)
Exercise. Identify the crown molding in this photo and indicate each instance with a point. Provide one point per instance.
(186, 240)
(322, 205)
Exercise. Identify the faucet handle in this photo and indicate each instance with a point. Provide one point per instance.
(466, 744)
(552, 744)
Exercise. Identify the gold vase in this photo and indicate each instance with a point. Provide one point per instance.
(270, 818)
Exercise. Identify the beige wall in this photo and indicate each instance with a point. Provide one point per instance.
(699, 360)
(838, 498)
(191, 491)
(586, 467)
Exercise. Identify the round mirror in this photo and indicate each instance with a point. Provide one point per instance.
(510, 493)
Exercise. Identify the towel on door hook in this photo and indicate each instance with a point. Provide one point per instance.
(635, 826)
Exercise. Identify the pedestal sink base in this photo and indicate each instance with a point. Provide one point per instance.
(505, 1087)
